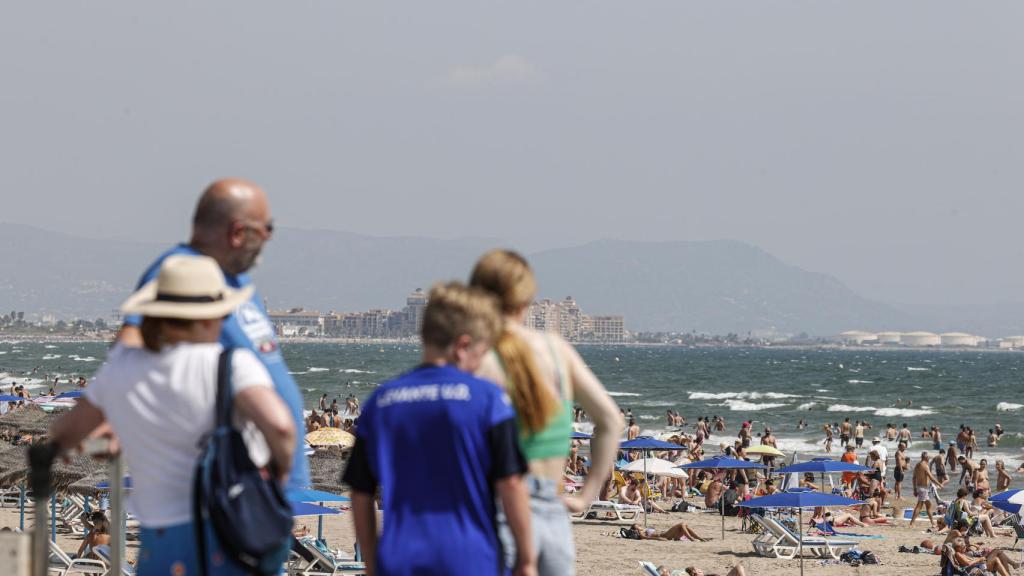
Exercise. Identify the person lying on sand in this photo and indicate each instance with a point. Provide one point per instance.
(677, 532)
(694, 571)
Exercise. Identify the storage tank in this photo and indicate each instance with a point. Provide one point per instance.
(920, 339)
(857, 337)
(888, 338)
(959, 339)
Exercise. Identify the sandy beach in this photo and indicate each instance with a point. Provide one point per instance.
(600, 552)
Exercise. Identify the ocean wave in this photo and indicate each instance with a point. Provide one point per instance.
(49, 346)
(355, 371)
(916, 369)
(1008, 407)
(658, 403)
(650, 417)
(744, 406)
(847, 408)
(907, 412)
(807, 406)
(51, 356)
(624, 394)
(860, 381)
(740, 395)
(315, 369)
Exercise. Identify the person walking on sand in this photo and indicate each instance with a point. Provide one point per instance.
(231, 224)
(544, 375)
(923, 479)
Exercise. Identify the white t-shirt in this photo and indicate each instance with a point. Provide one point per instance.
(161, 407)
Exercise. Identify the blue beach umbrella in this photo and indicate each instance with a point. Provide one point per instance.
(1011, 501)
(799, 500)
(307, 509)
(105, 485)
(71, 394)
(722, 463)
(581, 435)
(647, 443)
(9, 398)
(822, 466)
(310, 495)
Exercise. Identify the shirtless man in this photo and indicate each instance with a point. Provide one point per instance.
(858, 434)
(993, 439)
(936, 438)
(939, 464)
(845, 429)
(902, 464)
(923, 480)
(967, 469)
(981, 476)
(905, 434)
(952, 456)
(1003, 477)
(633, 431)
(890, 432)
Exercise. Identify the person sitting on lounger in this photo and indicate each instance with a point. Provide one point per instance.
(677, 532)
(822, 516)
(995, 561)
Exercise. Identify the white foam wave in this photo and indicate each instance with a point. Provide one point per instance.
(315, 369)
(51, 356)
(1008, 406)
(739, 395)
(744, 406)
(623, 394)
(650, 417)
(860, 381)
(659, 403)
(908, 412)
(917, 369)
(355, 371)
(49, 346)
(807, 406)
(847, 408)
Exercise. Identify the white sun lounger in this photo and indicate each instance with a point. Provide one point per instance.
(322, 564)
(777, 541)
(605, 511)
(61, 564)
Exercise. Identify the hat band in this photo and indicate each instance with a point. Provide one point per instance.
(162, 297)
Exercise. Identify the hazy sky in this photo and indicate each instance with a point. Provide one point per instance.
(881, 142)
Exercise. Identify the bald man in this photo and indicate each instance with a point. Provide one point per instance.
(231, 223)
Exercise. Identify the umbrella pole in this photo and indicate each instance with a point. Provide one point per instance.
(800, 532)
(21, 504)
(647, 488)
(721, 507)
(320, 526)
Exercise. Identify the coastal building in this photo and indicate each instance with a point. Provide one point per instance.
(415, 304)
(297, 322)
(605, 329)
(920, 339)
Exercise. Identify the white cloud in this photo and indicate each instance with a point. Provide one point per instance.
(509, 69)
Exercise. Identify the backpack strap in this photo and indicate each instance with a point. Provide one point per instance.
(222, 418)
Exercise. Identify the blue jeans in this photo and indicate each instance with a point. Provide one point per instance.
(172, 551)
(552, 530)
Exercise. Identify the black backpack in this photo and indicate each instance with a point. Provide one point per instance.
(250, 516)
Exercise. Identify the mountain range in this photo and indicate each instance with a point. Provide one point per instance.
(712, 287)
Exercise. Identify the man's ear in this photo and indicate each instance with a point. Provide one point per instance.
(236, 234)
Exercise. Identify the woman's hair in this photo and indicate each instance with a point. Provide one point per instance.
(454, 310)
(152, 329)
(100, 524)
(507, 275)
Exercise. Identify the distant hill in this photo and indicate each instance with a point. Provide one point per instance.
(715, 287)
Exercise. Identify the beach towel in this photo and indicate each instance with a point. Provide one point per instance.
(827, 529)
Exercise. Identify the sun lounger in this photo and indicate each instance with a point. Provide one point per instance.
(605, 511)
(104, 553)
(778, 541)
(61, 564)
(649, 569)
(323, 563)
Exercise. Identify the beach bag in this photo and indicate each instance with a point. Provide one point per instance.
(250, 516)
(868, 557)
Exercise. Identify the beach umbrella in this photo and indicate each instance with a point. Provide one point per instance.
(307, 509)
(799, 500)
(822, 466)
(649, 465)
(721, 463)
(1011, 501)
(581, 435)
(104, 485)
(763, 450)
(331, 437)
(9, 398)
(647, 443)
(320, 496)
(70, 394)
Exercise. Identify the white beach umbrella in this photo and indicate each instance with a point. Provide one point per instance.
(649, 466)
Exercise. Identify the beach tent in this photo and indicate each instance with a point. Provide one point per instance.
(722, 463)
(646, 443)
(821, 466)
(799, 500)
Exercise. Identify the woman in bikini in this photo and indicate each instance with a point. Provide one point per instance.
(677, 532)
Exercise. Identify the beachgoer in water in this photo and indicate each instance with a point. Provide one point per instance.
(633, 431)
(993, 438)
(828, 438)
(845, 430)
(936, 436)
(543, 374)
(904, 435)
(981, 476)
(323, 402)
(939, 465)
(1003, 478)
(952, 456)
(967, 469)
(922, 481)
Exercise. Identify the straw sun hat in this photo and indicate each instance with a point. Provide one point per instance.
(189, 288)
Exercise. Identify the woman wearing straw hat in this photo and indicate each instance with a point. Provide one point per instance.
(160, 402)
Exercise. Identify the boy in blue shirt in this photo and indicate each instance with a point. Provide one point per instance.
(441, 444)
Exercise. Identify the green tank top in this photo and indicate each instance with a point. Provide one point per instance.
(553, 440)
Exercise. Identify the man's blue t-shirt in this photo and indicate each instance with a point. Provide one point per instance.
(249, 327)
(435, 440)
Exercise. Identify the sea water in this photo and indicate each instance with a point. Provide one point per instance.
(770, 386)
